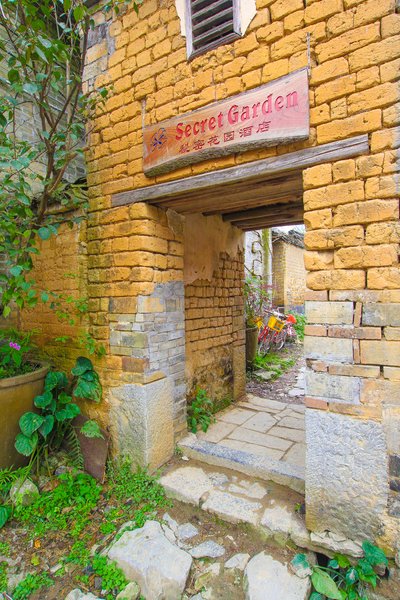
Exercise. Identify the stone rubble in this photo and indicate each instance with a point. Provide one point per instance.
(149, 558)
(23, 492)
(131, 592)
(265, 578)
(238, 561)
(208, 549)
(79, 595)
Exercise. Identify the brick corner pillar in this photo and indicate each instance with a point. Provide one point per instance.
(352, 349)
(136, 271)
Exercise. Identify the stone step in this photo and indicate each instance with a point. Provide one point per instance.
(267, 469)
(266, 506)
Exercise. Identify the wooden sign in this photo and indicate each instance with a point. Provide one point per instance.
(276, 113)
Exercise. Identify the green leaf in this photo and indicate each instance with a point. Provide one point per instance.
(55, 379)
(5, 513)
(64, 398)
(324, 584)
(342, 560)
(69, 412)
(44, 233)
(44, 400)
(44, 296)
(333, 564)
(373, 554)
(30, 88)
(47, 425)
(300, 562)
(16, 270)
(90, 390)
(91, 429)
(82, 365)
(316, 596)
(30, 422)
(26, 445)
(79, 12)
(351, 575)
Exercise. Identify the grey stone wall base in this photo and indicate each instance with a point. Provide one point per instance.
(346, 475)
(143, 423)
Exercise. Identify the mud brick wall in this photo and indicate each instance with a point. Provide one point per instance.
(288, 275)
(351, 215)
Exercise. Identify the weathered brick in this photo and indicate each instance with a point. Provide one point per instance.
(318, 330)
(315, 261)
(392, 333)
(392, 373)
(380, 352)
(334, 238)
(342, 86)
(381, 278)
(329, 70)
(379, 391)
(344, 170)
(383, 187)
(317, 176)
(333, 195)
(366, 256)
(318, 219)
(331, 349)
(281, 8)
(348, 42)
(383, 233)
(356, 333)
(381, 315)
(353, 125)
(336, 280)
(366, 212)
(374, 53)
(317, 403)
(313, 295)
(329, 312)
(335, 388)
(355, 370)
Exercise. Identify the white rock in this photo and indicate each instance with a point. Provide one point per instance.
(282, 523)
(149, 558)
(331, 542)
(208, 549)
(187, 484)
(231, 508)
(237, 561)
(23, 492)
(187, 531)
(131, 592)
(169, 534)
(266, 578)
(172, 524)
(79, 595)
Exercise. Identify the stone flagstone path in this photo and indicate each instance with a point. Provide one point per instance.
(258, 437)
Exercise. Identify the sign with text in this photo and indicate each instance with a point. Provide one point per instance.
(276, 113)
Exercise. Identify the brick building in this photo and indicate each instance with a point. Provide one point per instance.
(288, 272)
(162, 256)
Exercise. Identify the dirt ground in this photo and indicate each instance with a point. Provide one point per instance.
(278, 389)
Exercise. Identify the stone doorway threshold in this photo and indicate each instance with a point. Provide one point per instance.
(257, 437)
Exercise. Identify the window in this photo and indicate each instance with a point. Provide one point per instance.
(210, 23)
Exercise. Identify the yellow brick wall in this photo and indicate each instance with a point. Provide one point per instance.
(295, 276)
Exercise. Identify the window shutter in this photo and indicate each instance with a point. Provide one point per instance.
(211, 23)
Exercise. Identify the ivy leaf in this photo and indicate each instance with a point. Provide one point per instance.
(90, 390)
(44, 233)
(64, 398)
(30, 88)
(55, 379)
(342, 561)
(47, 425)
(82, 365)
(91, 429)
(26, 445)
(316, 596)
(44, 400)
(69, 412)
(16, 270)
(30, 422)
(324, 584)
(301, 565)
(5, 513)
(373, 554)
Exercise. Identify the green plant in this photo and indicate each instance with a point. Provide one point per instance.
(67, 507)
(276, 363)
(200, 412)
(300, 324)
(340, 579)
(46, 429)
(113, 579)
(31, 584)
(15, 349)
(257, 299)
(43, 49)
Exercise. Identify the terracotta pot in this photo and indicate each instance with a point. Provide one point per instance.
(251, 344)
(16, 398)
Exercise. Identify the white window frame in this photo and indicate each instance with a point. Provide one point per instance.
(237, 31)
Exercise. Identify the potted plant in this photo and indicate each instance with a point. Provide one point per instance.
(257, 301)
(21, 379)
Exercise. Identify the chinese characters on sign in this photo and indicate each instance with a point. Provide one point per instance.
(273, 114)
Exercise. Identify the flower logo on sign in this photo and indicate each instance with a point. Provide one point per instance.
(158, 139)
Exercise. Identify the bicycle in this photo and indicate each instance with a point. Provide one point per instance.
(275, 332)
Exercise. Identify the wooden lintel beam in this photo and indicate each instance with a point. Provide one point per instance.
(266, 225)
(273, 166)
(265, 211)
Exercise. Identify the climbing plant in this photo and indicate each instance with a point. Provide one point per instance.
(43, 48)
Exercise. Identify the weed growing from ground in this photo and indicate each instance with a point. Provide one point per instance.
(67, 507)
(31, 584)
(200, 412)
(113, 579)
(274, 362)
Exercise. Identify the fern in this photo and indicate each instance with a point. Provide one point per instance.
(10, 475)
(74, 447)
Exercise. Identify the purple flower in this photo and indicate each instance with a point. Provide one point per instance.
(14, 345)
